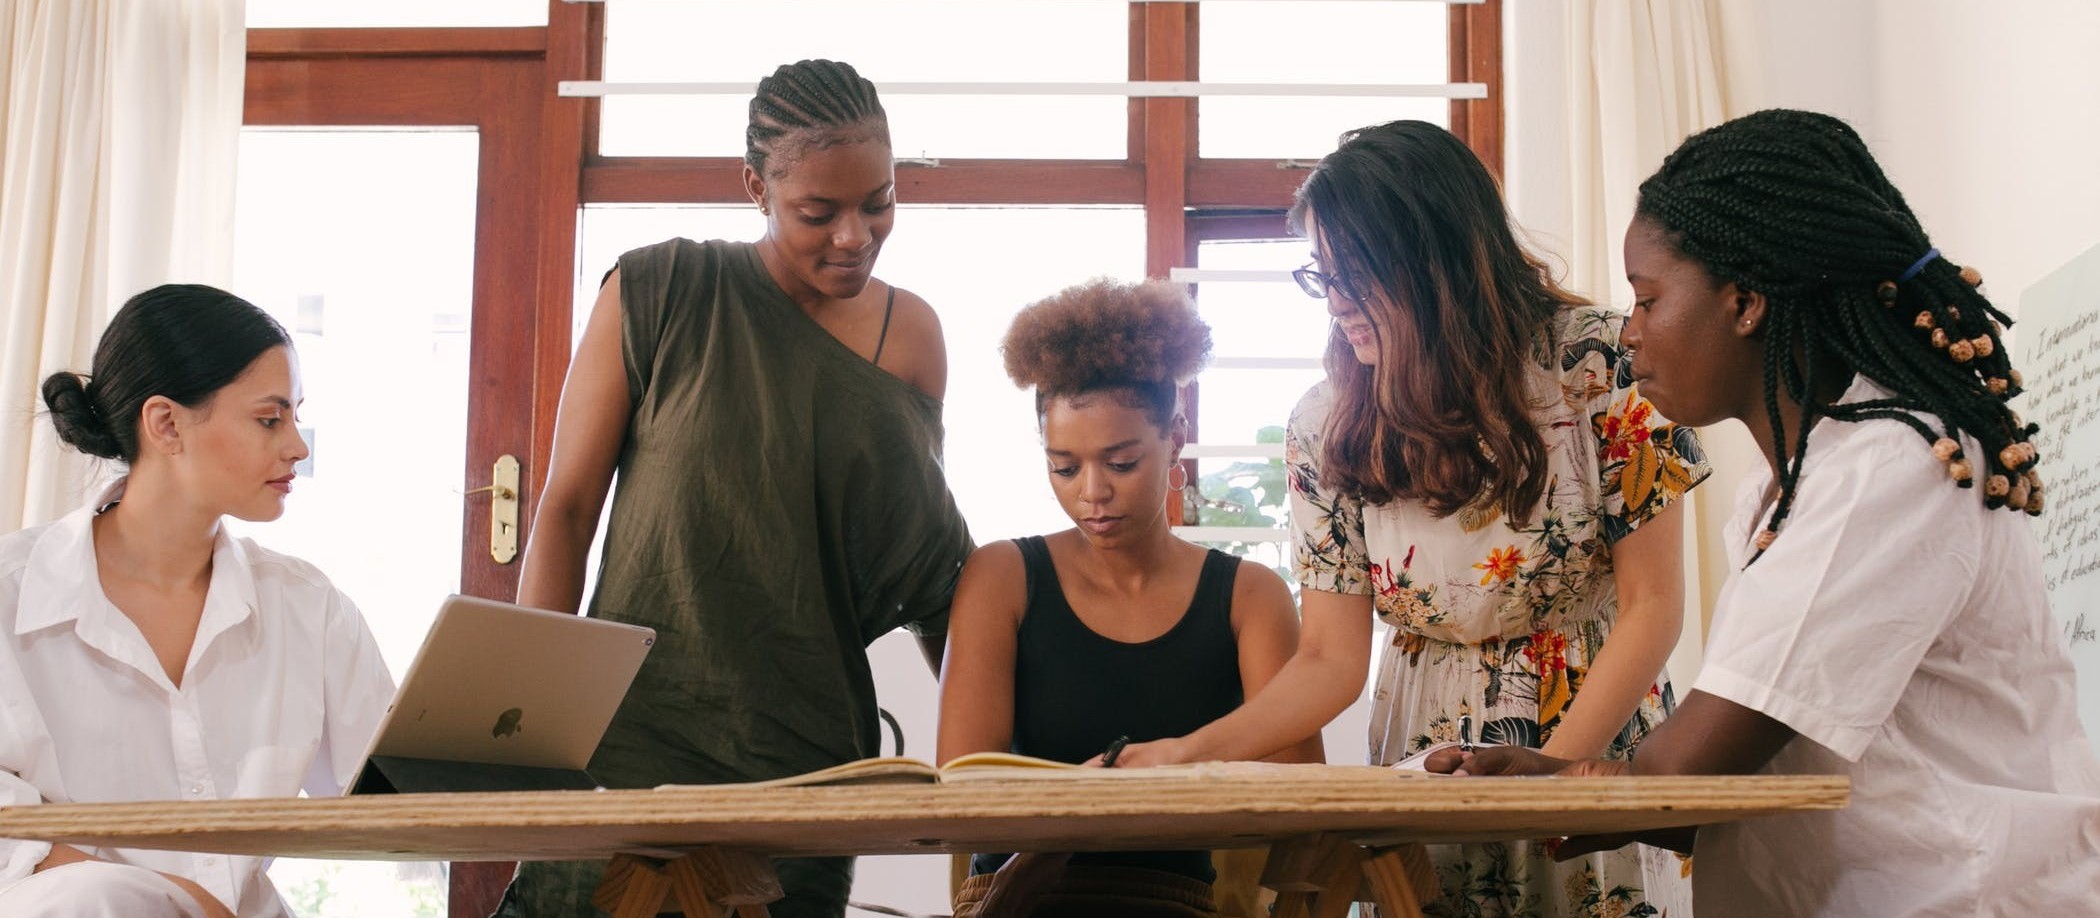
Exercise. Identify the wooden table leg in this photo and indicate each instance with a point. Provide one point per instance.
(1401, 880)
(724, 879)
(634, 887)
(707, 883)
(1303, 871)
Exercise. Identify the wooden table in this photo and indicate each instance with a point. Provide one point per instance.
(707, 848)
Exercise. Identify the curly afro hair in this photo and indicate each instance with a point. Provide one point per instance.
(1137, 340)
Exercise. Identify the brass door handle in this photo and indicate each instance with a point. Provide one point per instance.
(503, 509)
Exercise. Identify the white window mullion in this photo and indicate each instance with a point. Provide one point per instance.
(1137, 89)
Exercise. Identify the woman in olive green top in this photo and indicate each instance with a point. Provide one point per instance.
(773, 413)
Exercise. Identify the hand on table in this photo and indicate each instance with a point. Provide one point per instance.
(1171, 751)
(1495, 761)
(1500, 761)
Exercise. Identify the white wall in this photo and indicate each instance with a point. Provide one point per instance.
(1985, 114)
(1535, 123)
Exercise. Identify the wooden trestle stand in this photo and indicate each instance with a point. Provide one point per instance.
(708, 883)
(1314, 876)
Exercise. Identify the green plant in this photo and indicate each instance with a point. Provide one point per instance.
(1247, 494)
(310, 898)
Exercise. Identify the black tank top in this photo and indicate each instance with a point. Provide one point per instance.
(1076, 691)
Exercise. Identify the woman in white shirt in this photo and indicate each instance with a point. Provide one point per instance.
(1887, 620)
(145, 653)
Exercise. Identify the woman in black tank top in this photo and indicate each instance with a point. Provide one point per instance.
(1116, 629)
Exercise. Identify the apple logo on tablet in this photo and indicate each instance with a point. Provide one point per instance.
(507, 723)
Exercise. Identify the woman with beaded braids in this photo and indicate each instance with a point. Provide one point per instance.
(773, 414)
(1887, 620)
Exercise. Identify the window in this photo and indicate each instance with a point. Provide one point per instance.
(1303, 41)
(922, 41)
(330, 14)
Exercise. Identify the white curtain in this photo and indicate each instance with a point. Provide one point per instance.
(1642, 75)
(119, 125)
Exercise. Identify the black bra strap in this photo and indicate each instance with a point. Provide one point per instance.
(887, 308)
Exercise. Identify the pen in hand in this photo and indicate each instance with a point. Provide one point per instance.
(1108, 759)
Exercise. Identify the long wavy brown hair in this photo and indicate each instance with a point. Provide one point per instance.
(1460, 309)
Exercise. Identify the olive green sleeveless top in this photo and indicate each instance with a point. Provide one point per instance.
(780, 504)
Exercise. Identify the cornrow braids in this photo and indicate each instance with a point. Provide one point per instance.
(811, 103)
(1791, 205)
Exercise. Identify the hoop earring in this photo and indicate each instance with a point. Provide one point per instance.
(1184, 470)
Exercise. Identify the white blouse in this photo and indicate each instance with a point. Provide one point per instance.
(282, 691)
(1902, 631)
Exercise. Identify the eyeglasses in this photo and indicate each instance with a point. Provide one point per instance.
(1316, 284)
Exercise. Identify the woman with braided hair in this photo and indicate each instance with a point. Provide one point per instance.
(773, 413)
(1887, 619)
(1116, 627)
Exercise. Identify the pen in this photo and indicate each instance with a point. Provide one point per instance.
(1465, 733)
(1108, 759)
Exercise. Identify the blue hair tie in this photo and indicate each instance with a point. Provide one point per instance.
(1918, 265)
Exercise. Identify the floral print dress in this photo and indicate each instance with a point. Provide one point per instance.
(1495, 621)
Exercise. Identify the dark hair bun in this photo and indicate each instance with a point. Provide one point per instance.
(178, 341)
(73, 413)
(1107, 333)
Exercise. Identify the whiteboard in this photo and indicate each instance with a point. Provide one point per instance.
(2057, 349)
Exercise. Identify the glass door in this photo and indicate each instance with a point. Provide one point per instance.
(361, 242)
(390, 215)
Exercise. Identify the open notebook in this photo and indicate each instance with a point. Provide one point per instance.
(1006, 766)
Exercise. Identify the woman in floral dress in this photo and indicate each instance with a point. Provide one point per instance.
(1478, 472)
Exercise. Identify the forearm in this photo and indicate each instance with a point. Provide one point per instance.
(555, 556)
(213, 908)
(972, 722)
(1625, 668)
(1312, 751)
(1706, 736)
(1304, 696)
(61, 855)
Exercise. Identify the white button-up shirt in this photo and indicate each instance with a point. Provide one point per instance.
(283, 688)
(1902, 631)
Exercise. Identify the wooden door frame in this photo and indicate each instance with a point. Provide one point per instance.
(497, 82)
(500, 83)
